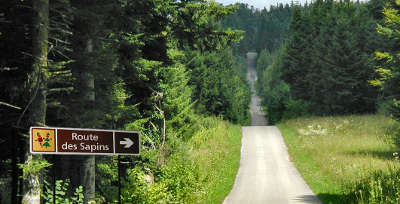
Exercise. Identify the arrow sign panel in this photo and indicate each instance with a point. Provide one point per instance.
(127, 142)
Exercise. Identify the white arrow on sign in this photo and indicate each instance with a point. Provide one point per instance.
(128, 142)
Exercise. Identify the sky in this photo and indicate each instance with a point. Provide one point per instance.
(262, 3)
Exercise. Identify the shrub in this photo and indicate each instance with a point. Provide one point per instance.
(61, 193)
(295, 108)
(274, 99)
(177, 182)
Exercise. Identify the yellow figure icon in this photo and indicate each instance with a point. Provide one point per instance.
(43, 140)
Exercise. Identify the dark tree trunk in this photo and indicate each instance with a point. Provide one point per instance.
(83, 44)
(38, 83)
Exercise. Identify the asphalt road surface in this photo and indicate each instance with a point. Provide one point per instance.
(266, 174)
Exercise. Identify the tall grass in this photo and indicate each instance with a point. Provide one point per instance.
(345, 159)
(381, 187)
(216, 150)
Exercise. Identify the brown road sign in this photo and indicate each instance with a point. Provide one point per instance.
(49, 140)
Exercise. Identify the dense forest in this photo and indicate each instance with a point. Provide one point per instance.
(158, 67)
(337, 59)
(265, 29)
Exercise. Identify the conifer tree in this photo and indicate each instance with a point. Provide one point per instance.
(388, 59)
(296, 59)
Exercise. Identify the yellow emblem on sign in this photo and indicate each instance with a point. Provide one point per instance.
(43, 140)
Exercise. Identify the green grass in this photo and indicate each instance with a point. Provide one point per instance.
(333, 154)
(216, 150)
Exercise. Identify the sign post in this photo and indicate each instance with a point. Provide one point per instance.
(49, 140)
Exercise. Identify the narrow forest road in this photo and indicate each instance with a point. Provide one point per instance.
(266, 175)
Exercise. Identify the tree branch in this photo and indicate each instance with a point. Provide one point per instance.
(9, 105)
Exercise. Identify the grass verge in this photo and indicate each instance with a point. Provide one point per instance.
(216, 151)
(335, 154)
(200, 170)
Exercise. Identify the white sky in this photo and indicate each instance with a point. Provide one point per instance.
(259, 3)
(262, 3)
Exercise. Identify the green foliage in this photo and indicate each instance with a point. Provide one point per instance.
(177, 103)
(176, 181)
(34, 167)
(218, 85)
(107, 182)
(295, 108)
(125, 65)
(264, 29)
(326, 63)
(393, 134)
(200, 170)
(272, 90)
(198, 26)
(61, 193)
(388, 61)
(275, 93)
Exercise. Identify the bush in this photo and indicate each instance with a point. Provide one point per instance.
(295, 108)
(392, 134)
(274, 99)
(177, 182)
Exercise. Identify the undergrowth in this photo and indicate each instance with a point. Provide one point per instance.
(201, 170)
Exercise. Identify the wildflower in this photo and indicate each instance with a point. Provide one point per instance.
(396, 156)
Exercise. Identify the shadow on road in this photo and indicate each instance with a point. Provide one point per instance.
(333, 198)
(309, 199)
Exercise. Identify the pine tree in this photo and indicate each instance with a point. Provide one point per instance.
(389, 72)
(296, 60)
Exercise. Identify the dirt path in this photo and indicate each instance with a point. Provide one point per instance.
(266, 175)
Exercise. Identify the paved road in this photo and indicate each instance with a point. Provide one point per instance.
(266, 174)
(257, 114)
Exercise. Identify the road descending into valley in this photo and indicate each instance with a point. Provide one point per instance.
(266, 174)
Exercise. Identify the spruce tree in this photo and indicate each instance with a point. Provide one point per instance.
(388, 60)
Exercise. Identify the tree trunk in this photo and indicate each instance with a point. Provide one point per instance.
(88, 169)
(83, 45)
(38, 82)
